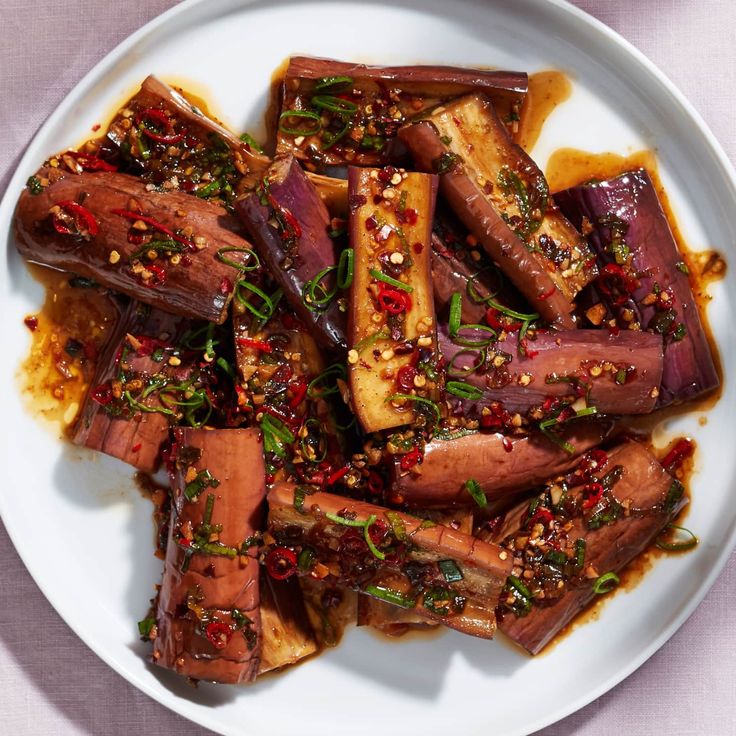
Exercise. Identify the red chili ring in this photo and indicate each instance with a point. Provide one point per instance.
(218, 634)
(82, 218)
(281, 563)
(160, 118)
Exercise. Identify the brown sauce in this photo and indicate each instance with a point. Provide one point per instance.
(271, 117)
(547, 90)
(55, 376)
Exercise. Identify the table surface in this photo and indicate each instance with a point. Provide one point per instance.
(52, 684)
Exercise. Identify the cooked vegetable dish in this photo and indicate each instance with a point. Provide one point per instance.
(391, 377)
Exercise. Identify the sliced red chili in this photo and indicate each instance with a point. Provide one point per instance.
(249, 342)
(340, 473)
(393, 300)
(412, 458)
(218, 633)
(541, 516)
(592, 493)
(73, 219)
(683, 449)
(592, 461)
(151, 116)
(299, 390)
(155, 224)
(102, 394)
(616, 284)
(281, 563)
(157, 278)
(89, 162)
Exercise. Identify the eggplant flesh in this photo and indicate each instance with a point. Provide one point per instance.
(376, 101)
(502, 466)
(502, 197)
(629, 232)
(453, 565)
(138, 436)
(617, 374)
(289, 224)
(207, 613)
(614, 530)
(173, 265)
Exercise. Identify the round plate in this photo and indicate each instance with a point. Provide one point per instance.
(84, 532)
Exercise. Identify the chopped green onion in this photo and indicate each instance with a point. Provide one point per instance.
(681, 546)
(474, 489)
(235, 264)
(463, 390)
(606, 583)
(418, 400)
(522, 594)
(366, 342)
(306, 559)
(390, 596)
(277, 428)
(366, 533)
(333, 84)
(251, 141)
(334, 104)
(450, 570)
(287, 122)
(345, 268)
(521, 316)
(146, 626)
(478, 363)
(342, 520)
(299, 495)
(308, 451)
(268, 305)
(456, 311)
(397, 526)
(379, 276)
(311, 299)
(580, 546)
(225, 367)
(318, 387)
(329, 138)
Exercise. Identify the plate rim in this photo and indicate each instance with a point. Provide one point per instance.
(190, 710)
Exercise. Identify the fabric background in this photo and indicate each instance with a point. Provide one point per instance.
(50, 683)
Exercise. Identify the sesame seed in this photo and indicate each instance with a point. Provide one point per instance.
(173, 360)
(114, 256)
(396, 257)
(352, 357)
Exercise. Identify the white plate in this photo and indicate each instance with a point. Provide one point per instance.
(85, 534)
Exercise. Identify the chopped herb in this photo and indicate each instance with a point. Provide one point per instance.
(450, 570)
(474, 489)
(145, 627)
(390, 596)
(606, 583)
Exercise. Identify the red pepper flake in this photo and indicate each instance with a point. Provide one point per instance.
(393, 300)
(405, 378)
(136, 447)
(412, 458)
(290, 322)
(355, 201)
(102, 394)
(548, 294)
(90, 162)
(508, 445)
(281, 563)
(340, 473)
(218, 633)
(226, 286)
(683, 449)
(418, 247)
(158, 276)
(299, 391)
(408, 216)
(31, 323)
(371, 223)
(96, 127)
(541, 516)
(531, 354)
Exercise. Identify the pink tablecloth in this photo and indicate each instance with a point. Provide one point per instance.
(50, 683)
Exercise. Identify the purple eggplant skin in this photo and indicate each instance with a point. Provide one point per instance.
(290, 190)
(137, 439)
(619, 374)
(502, 466)
(200, 587)
(631, 198)
(419, 88)
(647, 487)
(197, 284)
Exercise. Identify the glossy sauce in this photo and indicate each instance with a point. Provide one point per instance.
(53, 381)
(547, 90)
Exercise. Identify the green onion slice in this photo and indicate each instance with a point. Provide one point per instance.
(379, 276)
(606, 583)
(480, 358)
(390, 596)
(335, 518)
(251, 254)
(474, 489)
(366, 533)
(333, 84)
(289, 119)
(676, 546)
(397, 526)
(345, 268)
(334, 104)
(463, 390)
(456, 311)
(450, 570)
(419, 400)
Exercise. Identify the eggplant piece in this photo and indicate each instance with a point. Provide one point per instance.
(437, 572)
(617, 374)
(140, 347)
(163, 137)
(503, 199)
(502, 466)
(159, 248)
(208, 617)
(644, 280)
(296, 247)
(394, 620)
(287, 635)
(593, 522)
(392, 323)
(359, 126)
